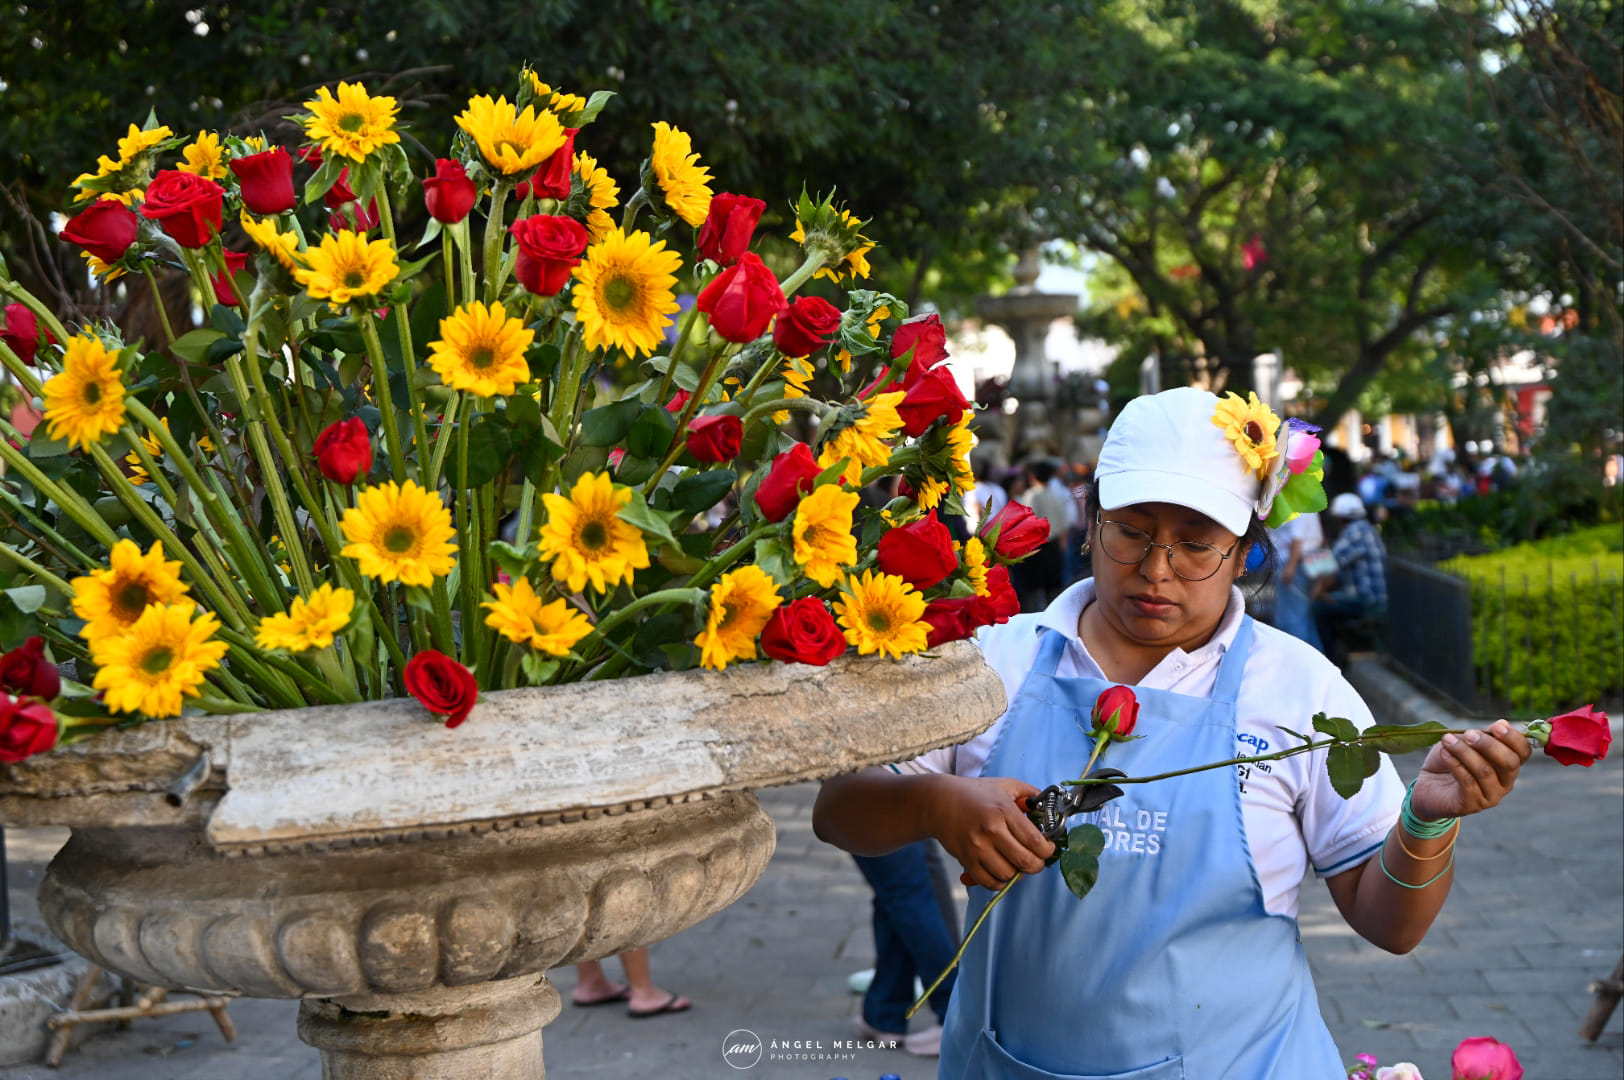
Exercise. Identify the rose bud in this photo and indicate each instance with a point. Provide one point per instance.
(340, 193)
(1003, 604)
(1020, 531)
(805, 326)
(20, 330)
(803, 632)
(106, 229)
(950, 620)
(678, 400)
(788, 480)
(920, 553)
(344, 451)
(443, 686)
(448, 194)
(25, 672)
(1116, 710)
(225, 289)
(936, 394)
(729, 227)
(310, 155)
(928, 340)
(25, 729)
(1580, 737)
(266, 181)
(715, 438)
(557, 173)
(549, 248)
(742, 299)
(186, 206)
(1483, 1058)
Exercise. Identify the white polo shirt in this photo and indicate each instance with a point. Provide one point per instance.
(1294, 818)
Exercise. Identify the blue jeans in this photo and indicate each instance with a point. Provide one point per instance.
(910, 938)
(1293, 612)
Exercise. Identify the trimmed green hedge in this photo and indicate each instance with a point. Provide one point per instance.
(1548, 620)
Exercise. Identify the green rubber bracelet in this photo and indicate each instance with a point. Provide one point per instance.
(1382, 858)
(1421, 830)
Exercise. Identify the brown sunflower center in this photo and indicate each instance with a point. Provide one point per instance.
(157, 661)
(1254, 431)
(481, 358)
(92, 393)
(878, 622)
(594, 535)
(512, 146)
(354, 279)
(131, 599)
(729, 612)
(619, 293)
(351, 122)
(398, 540)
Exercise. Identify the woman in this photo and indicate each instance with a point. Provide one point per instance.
(1185, 960)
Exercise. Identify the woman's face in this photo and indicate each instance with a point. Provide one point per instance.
(1145, 603)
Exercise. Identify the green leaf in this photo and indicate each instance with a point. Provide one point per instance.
(699, 491)
(543, 361)
(488, 452)
(27, 598)
(192, 345)
(652, 522)
(608, 424)
(324, 178)
(523, 412)
(684, 378)
(1080, 861)
(775, 559)
(1349, 765)
(666, 628)
(1405, 738)
(430, 233)
(510, 558)
(537, 667)
(1338, 727)
(1297, 734)
(635, 470)
(650, 435)
(594, 106)
(419, 598)
(226, 320)
(833, 474)
(43, 446)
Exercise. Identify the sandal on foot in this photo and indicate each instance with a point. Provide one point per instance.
(623, 994)
(674, 1004)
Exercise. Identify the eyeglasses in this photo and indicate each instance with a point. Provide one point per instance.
(1190, 560)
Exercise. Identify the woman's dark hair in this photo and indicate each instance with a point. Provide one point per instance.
(1256, 536)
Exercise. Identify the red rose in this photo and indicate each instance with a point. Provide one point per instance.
(310, 155)
(920, 553)
(353, 218)
(266, 181)
(950, 620)
(678, 400)
(1020, 531)
(787, 482)
(340, 193)
(715, 438)
(443, 686)
(1116, 710)
(25, 729)
(549, 248)
(553, 179)
(106, 229)
(1484, 1058)
(742, 299)
(344, 450)
(1580, 737)
(803, 632)
(24, 671)
(804, 327)
(928, 341)
(448, 194)
(186, 205)
(20, 330)
(929, 398)
(1003, 604)
(729, 227)
(225, 291)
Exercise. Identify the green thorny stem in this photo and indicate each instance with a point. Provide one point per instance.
(494, 277)
(386, 404)
(688, 321)
(403, 328)
(815, 261)
(1101, 738)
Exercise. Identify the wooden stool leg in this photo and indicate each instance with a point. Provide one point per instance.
(223, 1020)
(1608, 992)
(81, 997)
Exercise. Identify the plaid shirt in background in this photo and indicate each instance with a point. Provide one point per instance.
(1361, 565)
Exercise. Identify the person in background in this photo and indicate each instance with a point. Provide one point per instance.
(987, 498)
(642, 997)
(1299, 542)
(1078, 487)
(1360, 589)
(1040, 577)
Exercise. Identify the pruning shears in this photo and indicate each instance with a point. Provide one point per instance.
(1050, 808)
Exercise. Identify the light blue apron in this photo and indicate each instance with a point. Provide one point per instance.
(1171, 969)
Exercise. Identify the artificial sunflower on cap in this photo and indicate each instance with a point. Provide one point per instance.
(1251, 426)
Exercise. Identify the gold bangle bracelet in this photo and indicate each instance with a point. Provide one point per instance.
(1399, 833)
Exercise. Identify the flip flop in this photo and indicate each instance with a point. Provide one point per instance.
(623, 994)
(669, 1005)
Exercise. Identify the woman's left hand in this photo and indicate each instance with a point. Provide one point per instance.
(1467, 773)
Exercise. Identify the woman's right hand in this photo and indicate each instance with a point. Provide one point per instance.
(980, 822)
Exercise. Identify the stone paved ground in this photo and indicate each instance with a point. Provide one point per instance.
(1537, 912)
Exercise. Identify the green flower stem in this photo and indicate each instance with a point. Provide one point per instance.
(219, 706)
(70, 501)
(158, 301)
(688, 321)
(16, 506)
(210, 555)
(386, 404)
(444, 639)
(139, 449)
(769, 366)
(195, 266)
(403, 326)
(679, 441)
(567, 387)
(814, 262)
(21, 371)
(730, 555)
(23, 562)
(527, 506)
(465, 259)
(216, 253)
(13, 291)
(314, 685)
(634, 206)
(799, 404)
(493, 240)
(468, 541)
(663, 596)
(442, 441)
(448, 255)
(185, 370)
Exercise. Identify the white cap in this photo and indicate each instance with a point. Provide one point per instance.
(1165, 448)
(1347, 505)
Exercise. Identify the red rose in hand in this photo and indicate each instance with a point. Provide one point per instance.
(805, 326)
(549, 248)
(265, 180)
(19, 329)
(1003, 604)
(448, 194)
(344, 451)
(553, 179)
(1116, 710)
(225, 289)
(934, 395)
(928, 340)
(787, 482)
(729, 227)
(1484, 1058)
(106, 229)
(1020, 531)
(920, 553)
(24, 671)
(25, 729)
(443, 686)
(950, 620)
(803, 632)
(715, 438)
(742, 299)
(1580, 737)
(187, 206)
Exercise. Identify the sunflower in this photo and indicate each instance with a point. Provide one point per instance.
(881, 613)
(111, 600)
(624, 293)
(862, 442)
(481, 350)
(975, 565)
(104, 271)
(855, 265)
(556, 100)
(684, 182)
(205, 157)
(880, 314)
(353, 124)
(346, 267)
(518, 614)
(1250, 425)
(309, 624)
(929, 493)
(161, 659)
(823, 540)
(586, 541)
(797, 374)
(741, 602)
(603, 194)
(400, 533)
(284, 247)
(155, 450)
(511, 141)
(960, 442)
(85, 401)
